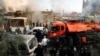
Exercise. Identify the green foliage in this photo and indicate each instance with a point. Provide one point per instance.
(1, 19)
(9, 44)
(3, 48)
(1, 34)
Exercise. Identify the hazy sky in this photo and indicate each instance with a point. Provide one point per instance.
(55, 5)
(66, 5)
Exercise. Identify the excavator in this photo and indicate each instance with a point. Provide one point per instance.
(74, 34)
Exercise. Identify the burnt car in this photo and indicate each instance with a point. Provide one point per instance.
(25, 48)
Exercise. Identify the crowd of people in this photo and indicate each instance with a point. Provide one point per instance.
(44, 48)
(58, 49)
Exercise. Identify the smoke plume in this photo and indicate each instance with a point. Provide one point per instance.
(57, 5)
(92, 8)
(32, 6)
(14, 5)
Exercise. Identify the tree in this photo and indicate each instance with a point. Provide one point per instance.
(9, 44)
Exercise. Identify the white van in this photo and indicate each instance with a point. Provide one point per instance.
(33, 30)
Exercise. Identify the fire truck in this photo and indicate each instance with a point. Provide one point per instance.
(74, 34)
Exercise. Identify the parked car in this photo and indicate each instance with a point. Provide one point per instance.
(34, 30)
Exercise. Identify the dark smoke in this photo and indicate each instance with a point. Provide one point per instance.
(96, 7)
(92, 8)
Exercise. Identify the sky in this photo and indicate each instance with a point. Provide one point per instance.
(64, 5)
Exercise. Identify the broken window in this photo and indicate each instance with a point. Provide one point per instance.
(55, 28)
(32, 43)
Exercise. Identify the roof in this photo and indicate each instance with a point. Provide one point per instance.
(77, 27)
(26, 38)
(41, 28)
(35, 28)
(57, 23)
(10, 17)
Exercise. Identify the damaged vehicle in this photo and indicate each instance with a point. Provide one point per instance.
(21, 45)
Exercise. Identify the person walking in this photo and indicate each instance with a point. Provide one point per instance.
(39, 50)
(45, 32)
(45, 43)
(18, 31)
(38, 35)
(24, 31)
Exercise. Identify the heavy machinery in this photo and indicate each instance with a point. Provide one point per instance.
(74, 34)
(60, 28)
